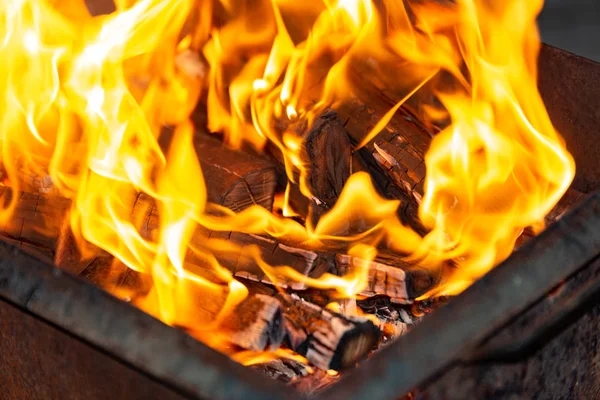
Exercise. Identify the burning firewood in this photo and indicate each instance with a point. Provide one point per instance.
(38, 222)
(392, 277)
(394, 158)
(297, 376)
(329, 153)
(235, 179)
(327, 339)
(256, 324)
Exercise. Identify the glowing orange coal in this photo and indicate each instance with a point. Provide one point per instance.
(83, 99)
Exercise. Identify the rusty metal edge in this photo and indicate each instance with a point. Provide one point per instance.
(127, 334)
(488, 304)
(570, 87)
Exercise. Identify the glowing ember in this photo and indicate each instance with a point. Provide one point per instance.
(83, 100)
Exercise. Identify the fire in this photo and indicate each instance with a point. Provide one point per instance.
(86, 101)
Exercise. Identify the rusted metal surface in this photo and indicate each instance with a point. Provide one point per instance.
(570, 87)
(125, 333)
(487, 305)
(39, 361)
(562, 363)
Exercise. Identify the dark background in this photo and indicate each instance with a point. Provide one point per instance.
(572, 25)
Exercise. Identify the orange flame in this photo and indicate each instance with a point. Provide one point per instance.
(84, 99)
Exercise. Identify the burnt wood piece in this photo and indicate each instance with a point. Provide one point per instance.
(297, 375)
(395, 320)
(329, 154)
(37, 219)
(235, 179)
(524, 278)
(282, 369)
(327, 339)
(94, 318)
(256, 324)
(394, 158)
(391, 276)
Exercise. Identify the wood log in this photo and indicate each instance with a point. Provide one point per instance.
(329, 154)
(394, 158)
(327, 339)
(256, 324)
(297, 375)
(38, 222)
(282, 369)
(235, 179)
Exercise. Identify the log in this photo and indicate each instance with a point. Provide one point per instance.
(395, 278)
(38, 222)
(235, 179)
(314, 383)
(329, 154)
(256, 324)
(297, 375)
(282, 369)
(389, 275)
(394, 158)
(327, 339)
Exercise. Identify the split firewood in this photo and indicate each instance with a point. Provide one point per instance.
(256, 324)
(297, 375)
(235, 179)
(394, 158)
(391, 276)
(38, 221)
(327, 339)
(329, 153)
(282, 369)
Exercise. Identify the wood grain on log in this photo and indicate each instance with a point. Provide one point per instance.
(327, 339)
(235, 179)
(329, 154)
(394, 158)
(256, 323)
(37, 211)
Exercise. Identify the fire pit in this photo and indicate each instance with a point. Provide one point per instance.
(339, 231)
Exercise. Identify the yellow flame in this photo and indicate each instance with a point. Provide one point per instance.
(87, 100)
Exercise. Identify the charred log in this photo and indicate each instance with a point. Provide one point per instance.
(327, 339)
(235, 179)
(329, 153)
(256, 324)
(394, 158)
(282, 369)
(390, 276)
